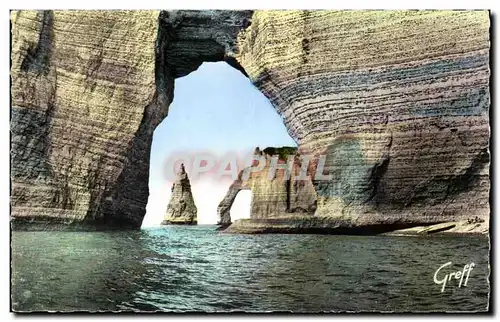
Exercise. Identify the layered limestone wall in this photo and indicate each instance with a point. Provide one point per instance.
(274, 193)
(84, 107)
(88, 90)
(397, 100)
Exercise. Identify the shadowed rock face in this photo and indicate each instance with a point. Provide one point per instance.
(84, 106)
(398, 102)
(88, 90)
(181, 209)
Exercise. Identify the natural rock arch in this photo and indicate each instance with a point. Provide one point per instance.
(89, 88)
(273, 195)
(115, 198)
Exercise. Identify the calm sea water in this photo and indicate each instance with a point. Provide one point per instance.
(200, 269)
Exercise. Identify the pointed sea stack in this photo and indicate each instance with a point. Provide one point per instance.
(181, 209)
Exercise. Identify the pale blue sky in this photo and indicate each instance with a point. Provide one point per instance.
(215, 108)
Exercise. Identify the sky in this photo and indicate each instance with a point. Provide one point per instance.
(215, 110)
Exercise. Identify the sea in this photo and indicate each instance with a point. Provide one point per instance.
(200, 269)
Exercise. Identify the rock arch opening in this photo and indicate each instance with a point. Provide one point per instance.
(241, 207)
(216, 113)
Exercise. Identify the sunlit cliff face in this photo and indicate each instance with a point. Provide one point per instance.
(226, 116)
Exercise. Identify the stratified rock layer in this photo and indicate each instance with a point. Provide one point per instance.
(274, 193)
(181, 209)
(397, 100)
(84, 107)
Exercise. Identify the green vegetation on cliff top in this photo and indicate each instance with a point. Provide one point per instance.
(283, 152)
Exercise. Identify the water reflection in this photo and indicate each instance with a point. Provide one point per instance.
(75, 271)
(199, 269)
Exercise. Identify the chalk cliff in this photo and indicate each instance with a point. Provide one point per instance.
(181, 209)
(84, 105)
(273, 195)
(398, 101)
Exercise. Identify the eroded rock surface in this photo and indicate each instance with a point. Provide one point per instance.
(181, 209)
(84, 107)
(273, 195)
(398, 101)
